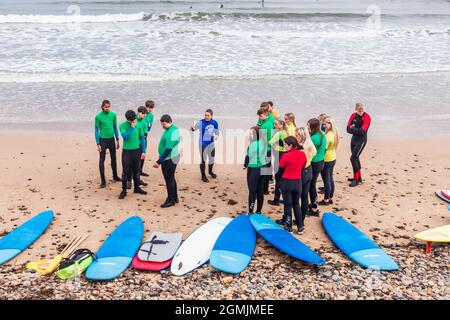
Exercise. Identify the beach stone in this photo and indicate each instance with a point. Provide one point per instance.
(398, 293)
(336, 278)
(353, 295)
(227, 280)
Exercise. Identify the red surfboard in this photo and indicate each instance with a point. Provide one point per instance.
(446, 193)
(150, 266)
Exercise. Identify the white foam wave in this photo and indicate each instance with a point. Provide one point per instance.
(54, 19)
(111, 77)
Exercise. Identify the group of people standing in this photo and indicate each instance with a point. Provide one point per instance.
(134, 132)
(291, 157)
(297, 156)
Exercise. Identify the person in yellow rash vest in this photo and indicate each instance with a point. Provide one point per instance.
(333, 137)
(289, 118)
(277, 143)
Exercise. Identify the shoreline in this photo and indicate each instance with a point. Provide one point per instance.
(44, 170)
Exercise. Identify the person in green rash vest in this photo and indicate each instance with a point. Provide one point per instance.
(105, 132)
(266, 107)
(134, 150)
(169, 157)
(142, 122)
(149, 118)
(320, 142)
(267, 125)
(255, 161)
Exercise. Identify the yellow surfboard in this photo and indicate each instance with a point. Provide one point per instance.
(441, 234)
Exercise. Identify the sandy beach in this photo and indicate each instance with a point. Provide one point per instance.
(59, 171)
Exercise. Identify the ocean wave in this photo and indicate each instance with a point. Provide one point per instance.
(59, 19)
(43, 77)
(190, 16)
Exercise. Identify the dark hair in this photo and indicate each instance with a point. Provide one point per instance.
(270, 103)
(261, 111)
(314, 126)
(130, 115)
(257, 131)
(150, 104)
(143, 110)
(292, 141)
(210, 111)
(105, 102)
(264, 105)
(166, 118)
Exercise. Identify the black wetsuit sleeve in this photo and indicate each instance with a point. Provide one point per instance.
(164, 156)
(349, 124)
(247, 160)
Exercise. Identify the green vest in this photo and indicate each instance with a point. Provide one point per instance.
(170, 140)
(133, 142)
(106, 121)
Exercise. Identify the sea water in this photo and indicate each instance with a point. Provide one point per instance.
(59, 57)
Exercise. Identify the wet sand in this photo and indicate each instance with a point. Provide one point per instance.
(59, 171)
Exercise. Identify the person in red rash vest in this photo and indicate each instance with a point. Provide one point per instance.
(357, 126)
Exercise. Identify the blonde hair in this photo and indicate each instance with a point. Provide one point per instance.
(304, 139)
(291, 117)
(334, 129)
(359, 104)
(322, 116)
(283, 123)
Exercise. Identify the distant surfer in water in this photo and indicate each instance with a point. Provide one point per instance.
(209, 131)
(133, 153)
(357, 126)
(105, 132)
(169, 157)
(255, 162)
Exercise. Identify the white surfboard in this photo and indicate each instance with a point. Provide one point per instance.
(196, 250)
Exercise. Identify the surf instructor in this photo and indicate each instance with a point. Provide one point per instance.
(169, 157)
(105, 132)
(357, 126)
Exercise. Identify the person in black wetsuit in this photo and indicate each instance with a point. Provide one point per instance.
(255, 163)
(105, 132)
(357, 126)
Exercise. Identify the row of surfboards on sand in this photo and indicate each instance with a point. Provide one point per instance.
(228, 244)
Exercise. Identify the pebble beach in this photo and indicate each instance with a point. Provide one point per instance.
(396, 201)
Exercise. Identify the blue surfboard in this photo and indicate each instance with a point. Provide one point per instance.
(235, 246)
(24, 235)
(283, 240)
(117, 252)
(355, 244)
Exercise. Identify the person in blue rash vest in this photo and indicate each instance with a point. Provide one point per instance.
(105, 132)
(134, 150)
(209, 131)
